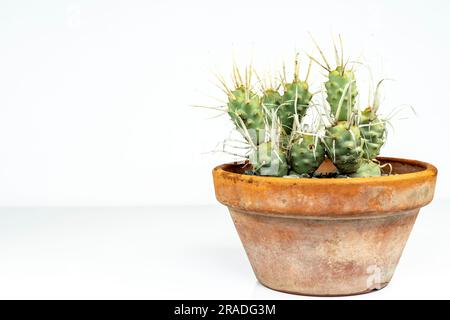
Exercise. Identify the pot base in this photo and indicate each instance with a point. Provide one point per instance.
(323, 257)
(382, 286)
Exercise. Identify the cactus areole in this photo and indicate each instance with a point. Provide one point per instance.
(318, 211)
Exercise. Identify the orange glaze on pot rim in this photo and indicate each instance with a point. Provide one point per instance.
(411, 188)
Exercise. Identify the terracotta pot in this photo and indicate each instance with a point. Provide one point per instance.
(325, 236)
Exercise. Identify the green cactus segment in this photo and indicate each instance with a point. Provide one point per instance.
(267, 161)
(340, 82)
(244, 108)
(344, 147)
(367, 169)
(306, 155)
(271, 99)
(373, 131)
(296, 99)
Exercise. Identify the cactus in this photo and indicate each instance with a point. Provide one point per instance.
(343, 141)
(273, 124)
(244, 108)
(367, 168)
(268, 160)
(296, 99)
(373, 132)
(373, 129)
(340, 88)
(338, 80)
(271, 99)
(344, 147)
(306, 154)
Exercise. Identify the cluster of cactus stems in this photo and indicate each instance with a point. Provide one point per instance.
(270, 118)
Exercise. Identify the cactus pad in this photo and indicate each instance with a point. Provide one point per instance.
(344, 147)
(338, 80)
(269, 161)
(306, 155)
(296, 99)
(367, 169)
(271, 99)
(245, 105)
(373, 131)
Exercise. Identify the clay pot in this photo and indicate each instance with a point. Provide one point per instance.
(325, 236)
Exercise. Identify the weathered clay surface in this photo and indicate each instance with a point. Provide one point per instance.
(323, 257)
(326, 236)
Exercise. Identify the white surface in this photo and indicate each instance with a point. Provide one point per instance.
(94, 111)
(177, 252)
(95, 95)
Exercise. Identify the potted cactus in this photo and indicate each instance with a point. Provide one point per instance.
(316, 208)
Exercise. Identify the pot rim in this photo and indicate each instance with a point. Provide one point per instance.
(428, 171)
(328, 197)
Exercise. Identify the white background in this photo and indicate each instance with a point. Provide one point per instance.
(95, 110)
